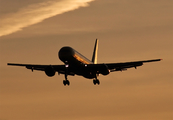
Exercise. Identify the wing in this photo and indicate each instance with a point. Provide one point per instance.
(111, 67)
(124, 66)
(57, 68)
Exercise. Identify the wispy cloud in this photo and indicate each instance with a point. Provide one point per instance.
(36, 13)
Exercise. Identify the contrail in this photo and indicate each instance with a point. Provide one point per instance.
(36, 13)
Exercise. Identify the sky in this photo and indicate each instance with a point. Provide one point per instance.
(33, 32)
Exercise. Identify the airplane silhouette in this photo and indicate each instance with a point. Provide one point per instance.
(77, 64)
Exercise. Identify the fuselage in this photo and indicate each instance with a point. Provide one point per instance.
(76, 61)
(70, 56)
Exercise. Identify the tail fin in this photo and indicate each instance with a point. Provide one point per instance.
(94, 58)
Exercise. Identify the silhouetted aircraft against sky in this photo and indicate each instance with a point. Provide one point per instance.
(76, 64)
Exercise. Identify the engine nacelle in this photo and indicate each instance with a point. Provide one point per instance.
(50, 71)
(104, 69)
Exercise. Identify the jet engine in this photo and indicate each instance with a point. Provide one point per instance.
(50, 71)
(104, 69)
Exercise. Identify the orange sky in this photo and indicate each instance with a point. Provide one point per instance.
(33, 31)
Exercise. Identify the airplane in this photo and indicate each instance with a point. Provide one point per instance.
(77, 64)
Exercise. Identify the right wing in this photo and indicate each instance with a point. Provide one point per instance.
(57, 68)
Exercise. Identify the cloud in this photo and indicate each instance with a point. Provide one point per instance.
(36, 13)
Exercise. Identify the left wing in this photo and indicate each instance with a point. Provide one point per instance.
(119, 66)
(124, 66)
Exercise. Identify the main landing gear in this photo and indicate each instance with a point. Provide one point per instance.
(96, 81)
(66, 82)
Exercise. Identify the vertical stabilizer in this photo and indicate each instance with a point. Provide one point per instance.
(94, 58)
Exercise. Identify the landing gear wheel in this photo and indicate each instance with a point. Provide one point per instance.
(66, 82)
(96, 82)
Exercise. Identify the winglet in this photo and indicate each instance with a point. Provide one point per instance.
(94, 58)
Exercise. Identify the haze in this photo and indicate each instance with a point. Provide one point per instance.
(33, 31)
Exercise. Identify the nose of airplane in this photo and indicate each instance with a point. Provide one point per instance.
(66, 53)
